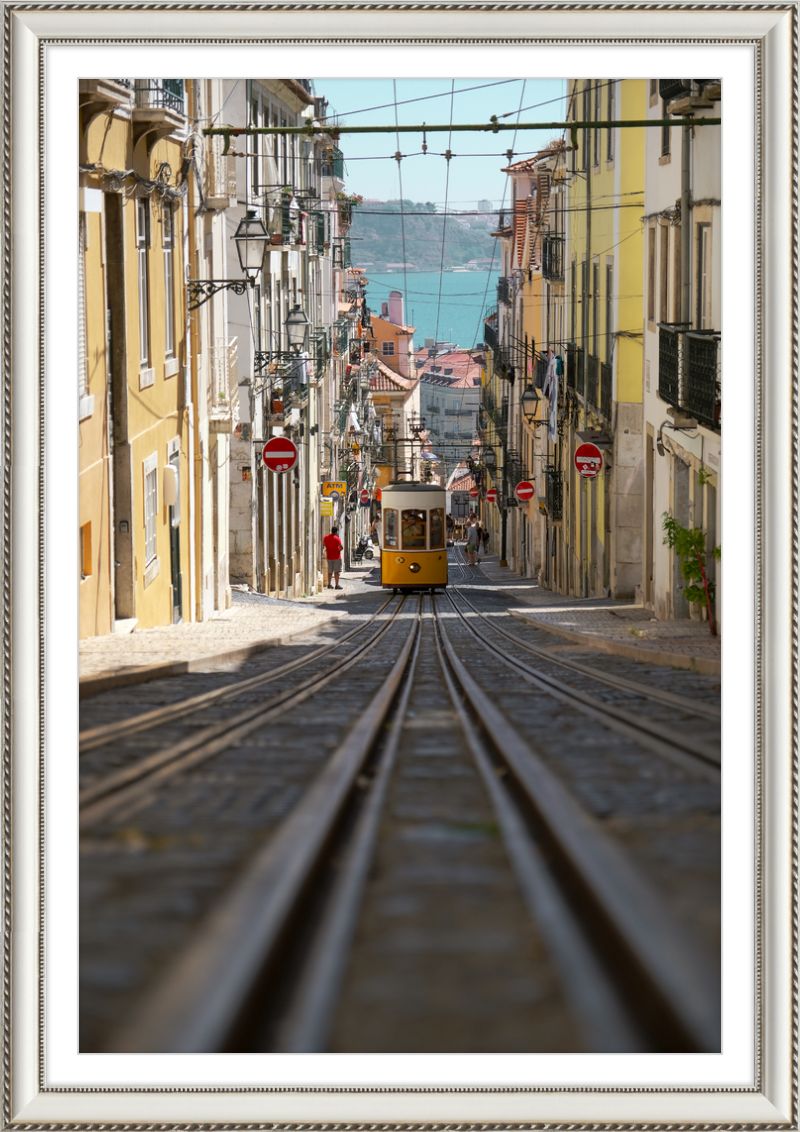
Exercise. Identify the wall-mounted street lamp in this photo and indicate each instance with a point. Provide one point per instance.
(529, 403)
(489, 457)
(297, 324)
(252, 241)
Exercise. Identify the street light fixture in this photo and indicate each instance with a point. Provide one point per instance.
(529, 403)
(489, 457)
(297, 324)
(252, 240)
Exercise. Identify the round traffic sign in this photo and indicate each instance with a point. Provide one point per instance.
(474, 493)
(588, 460)
(280, 454)
(364, 497)
(491, 495)
(524, 490)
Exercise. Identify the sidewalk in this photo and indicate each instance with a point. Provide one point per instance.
(253, 623)
(609, 626)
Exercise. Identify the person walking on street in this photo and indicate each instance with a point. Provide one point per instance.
(472, 543)
(478, 537)
(485, 541)
(333, 554)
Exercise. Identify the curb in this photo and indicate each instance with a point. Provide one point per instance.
(89, 686)
(702, 664)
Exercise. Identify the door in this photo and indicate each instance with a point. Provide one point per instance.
(176, 578)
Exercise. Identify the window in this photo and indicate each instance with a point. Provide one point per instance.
(437, 528)
(664, 131)
(704, 277)
(86, 550)
(414, 523)
(612, 114)
(596, 116)
(595, 305)
(389, 527)
(609, 320)
(150, 468)
(142, 244)
(651, 274)
(663, 272)
(168, 239)
(387, 349)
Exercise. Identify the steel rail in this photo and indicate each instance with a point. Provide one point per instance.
(308, 1023)
(672, 982)
(95, 737)
(686, 752)
(668, 698)
(130, 783)
(196, 1007)
(592, 997)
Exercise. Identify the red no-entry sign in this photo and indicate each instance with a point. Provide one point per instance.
(474, 493)
(491, 495)
(524, 490)
(588, 460)
(364, 497)
(280, 454)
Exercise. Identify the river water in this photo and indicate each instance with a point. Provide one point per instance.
(464, 298)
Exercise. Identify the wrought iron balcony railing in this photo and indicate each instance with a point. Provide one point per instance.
(164, 94)
(670, 361)
(592, 375)
(701, 386)
(490, 337)
(605, 390)
(553, 257)
(554, 493)
(503, 290)
(539, 372)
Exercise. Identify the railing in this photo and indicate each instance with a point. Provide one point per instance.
(163, 94)
(673, 88)
(592, 374)
(502, 290)
(224, 374)
(339, 336)
(572, 363)
(490, 337)
(670, 361)
(701, 387)
(333, 162)
(579, 370)
(554, 493)
(341, 251)
(316, 233)
(605, 390)
(553, 257)
(127, 83)
(455, 412)
(539, 372)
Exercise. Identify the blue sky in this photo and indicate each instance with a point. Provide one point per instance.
(370, 168)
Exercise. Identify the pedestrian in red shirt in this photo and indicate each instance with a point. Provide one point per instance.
(333, 553)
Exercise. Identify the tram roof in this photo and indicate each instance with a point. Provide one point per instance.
(410, 485)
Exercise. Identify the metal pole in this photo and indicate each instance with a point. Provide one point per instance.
(491, 127)
(686, 226)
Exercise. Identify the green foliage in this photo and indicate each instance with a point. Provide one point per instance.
(704, 476)
(380, 235)
(690, 546)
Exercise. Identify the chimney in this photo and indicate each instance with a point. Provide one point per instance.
(396, 307)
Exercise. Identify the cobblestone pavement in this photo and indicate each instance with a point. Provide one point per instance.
(614, 626)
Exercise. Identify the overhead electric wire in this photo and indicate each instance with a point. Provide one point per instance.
(444, 225)
(424, 98)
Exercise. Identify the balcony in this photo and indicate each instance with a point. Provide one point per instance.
(223, 381)
(554, 493)
(689, 371)
(503, 295)
(490, 338)
(605, 390)
(553, 258)
(220, 188)
(333, 163)
(539, 372)
(341, 252)
(592, 376)
(101, 95)
(157, 109)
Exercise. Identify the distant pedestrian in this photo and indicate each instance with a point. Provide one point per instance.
(375, 532)
(472, 543)
(333, 554)
(478, 537)
(485, 541)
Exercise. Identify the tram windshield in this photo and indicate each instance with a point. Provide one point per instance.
(437, 528)
(390, 527)
(414, 523)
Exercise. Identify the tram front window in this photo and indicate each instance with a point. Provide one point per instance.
(437, 528)
(413, 530)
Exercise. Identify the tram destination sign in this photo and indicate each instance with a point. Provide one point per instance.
(588, 460)
(280, 454)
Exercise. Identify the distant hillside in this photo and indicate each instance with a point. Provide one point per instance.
(378, 239)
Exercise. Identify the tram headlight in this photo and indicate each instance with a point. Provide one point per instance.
(398, 559)
(415, 567)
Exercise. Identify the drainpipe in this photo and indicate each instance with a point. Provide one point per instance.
(187, 374)
(686, 227)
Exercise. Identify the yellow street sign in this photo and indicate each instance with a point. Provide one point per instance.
(326, 507)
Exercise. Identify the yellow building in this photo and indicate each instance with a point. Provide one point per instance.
(134, 456)
(601, 534)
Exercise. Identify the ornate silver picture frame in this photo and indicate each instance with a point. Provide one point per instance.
(40, 688)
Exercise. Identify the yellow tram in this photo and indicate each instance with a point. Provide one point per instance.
(413, 536)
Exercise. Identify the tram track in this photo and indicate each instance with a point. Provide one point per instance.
(130, 783)
(683, 749)
(629, 974)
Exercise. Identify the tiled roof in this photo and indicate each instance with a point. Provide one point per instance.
(387, 380)
(528, 164)
(503, 233)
